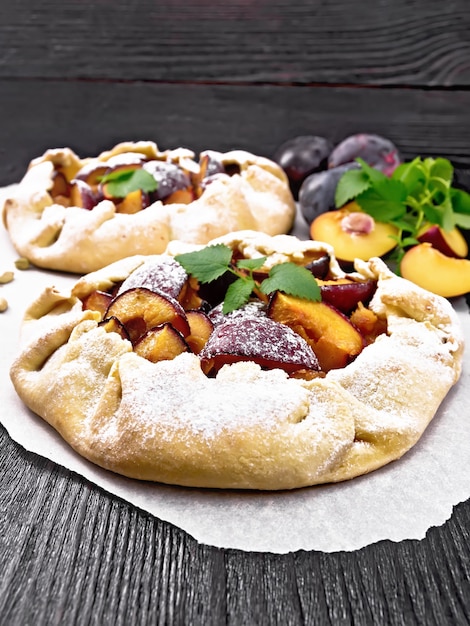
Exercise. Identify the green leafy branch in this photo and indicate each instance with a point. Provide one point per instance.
(418, 192)
(212, 262)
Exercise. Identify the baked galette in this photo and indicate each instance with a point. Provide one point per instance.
(144, 371)
(78, 215)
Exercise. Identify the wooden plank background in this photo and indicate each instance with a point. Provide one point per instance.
(375, 42)
(90, 116)
(219, 75)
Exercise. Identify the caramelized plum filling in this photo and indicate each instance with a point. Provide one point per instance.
(159, 309)
(173, 182)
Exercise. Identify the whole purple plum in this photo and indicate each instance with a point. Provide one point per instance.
(301, 156)
(375, 150)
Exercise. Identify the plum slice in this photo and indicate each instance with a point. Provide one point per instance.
(91, 173)
(97, 301)
(200, 327)
(82, 195)
(346, 295)
(141, 309)
(262, 340)
(174, 185)
(60, 186)
(134, 202)
(162, 274)
(319, 267)
(331, 335)
(253, 308)
(162, 343)
(353, 233)
(113, 325)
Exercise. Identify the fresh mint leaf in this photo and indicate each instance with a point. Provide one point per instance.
(443, 169)
(212, 262)
(208, 263)
(350, 185)
(448, 216)
(438, 190)
(411, 175)
(406, 223)
(385, 201)
(251, 264)
(439, 214)
(375, 176)
(120, 183)
(238, 294)
(462, 220)
(293, 280)
(431, 214)
(409, 241)
(460, 201)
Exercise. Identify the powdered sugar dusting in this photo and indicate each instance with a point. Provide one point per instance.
(259, 337)
(403, 376)
(162, 274)
(254, 308)
(176, 394)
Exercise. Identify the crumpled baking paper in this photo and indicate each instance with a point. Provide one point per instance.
(400, 501)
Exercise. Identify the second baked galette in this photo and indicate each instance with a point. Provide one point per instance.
(77, 215)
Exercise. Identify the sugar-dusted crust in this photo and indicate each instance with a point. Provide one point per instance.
(246, 428)
(77, 240)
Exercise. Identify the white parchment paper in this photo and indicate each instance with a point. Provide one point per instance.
(400, 501)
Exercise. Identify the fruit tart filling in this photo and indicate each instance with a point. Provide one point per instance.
(241, 310)
(135, 180)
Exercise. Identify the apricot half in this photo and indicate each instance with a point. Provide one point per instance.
(353, 233)
(443, 275)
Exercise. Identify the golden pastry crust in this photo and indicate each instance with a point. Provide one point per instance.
(79, 240)
(246, 428)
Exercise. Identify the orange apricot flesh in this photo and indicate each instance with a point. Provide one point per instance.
(443, 275)
(330, 334)
(162, 343)
(353, 234)
(200, 327)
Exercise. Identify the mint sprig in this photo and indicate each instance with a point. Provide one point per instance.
(293, 280)
(207, 264)
(211, 262)
(121, 182)
(418, 192)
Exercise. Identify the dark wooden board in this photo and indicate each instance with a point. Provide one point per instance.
(321, 41)
(92, 116)
(72, 554)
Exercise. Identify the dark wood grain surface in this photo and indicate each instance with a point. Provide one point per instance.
(406, 42)
(208, 75)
